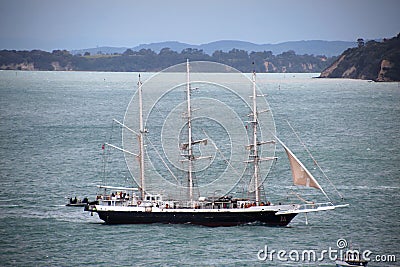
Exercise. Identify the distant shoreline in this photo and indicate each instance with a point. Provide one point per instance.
(149, 61)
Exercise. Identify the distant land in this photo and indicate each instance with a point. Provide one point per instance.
(371, 60)
(150, 61)
(314, 47)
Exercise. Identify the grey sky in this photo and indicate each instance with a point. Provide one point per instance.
(74, 24)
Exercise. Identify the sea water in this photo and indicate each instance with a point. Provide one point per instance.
(52, 127)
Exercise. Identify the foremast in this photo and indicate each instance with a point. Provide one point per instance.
(254, 154)
(190, 156)
(254, 157)
(141, 141)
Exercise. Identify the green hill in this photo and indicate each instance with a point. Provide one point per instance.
(148, 60)
(378, 61)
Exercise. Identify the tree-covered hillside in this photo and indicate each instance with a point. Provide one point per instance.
(378, 61)
(148, 60)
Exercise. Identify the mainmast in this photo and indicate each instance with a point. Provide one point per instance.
(141, 141)
(255, 144)
(190, 150)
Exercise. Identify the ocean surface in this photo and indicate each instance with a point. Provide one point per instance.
(52, 126)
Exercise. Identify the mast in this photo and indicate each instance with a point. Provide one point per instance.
(255, 148)
(141, 141)
(190, 151)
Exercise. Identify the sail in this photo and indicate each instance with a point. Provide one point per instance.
(301, 176)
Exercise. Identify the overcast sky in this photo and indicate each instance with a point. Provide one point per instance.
(75, 24)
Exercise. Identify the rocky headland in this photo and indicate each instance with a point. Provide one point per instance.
(377, 61)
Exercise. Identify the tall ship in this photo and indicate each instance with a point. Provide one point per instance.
(199, 141)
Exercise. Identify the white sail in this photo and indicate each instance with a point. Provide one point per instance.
(301, 176)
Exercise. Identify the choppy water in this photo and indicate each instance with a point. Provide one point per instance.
(52, 125)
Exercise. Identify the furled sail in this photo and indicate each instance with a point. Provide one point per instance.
(301, 176)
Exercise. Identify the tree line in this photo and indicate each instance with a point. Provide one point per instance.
(148, 60)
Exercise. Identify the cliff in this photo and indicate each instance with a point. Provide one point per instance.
(378, 61)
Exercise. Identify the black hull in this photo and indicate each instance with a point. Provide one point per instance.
(76, 205)
(199, 218)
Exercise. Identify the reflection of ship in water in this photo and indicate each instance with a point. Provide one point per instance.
(214, 206)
